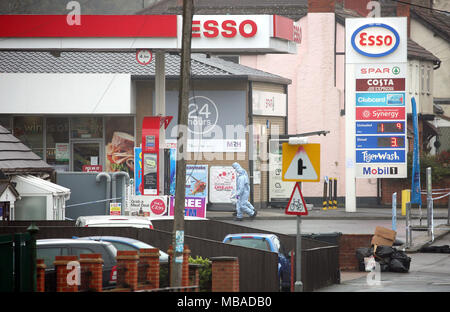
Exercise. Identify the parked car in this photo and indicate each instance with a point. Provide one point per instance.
(47, 249)
(126, 243)
(268, 242)
(114, 221)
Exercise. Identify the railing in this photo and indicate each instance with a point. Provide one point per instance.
(430, 211)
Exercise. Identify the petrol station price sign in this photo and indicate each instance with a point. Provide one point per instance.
(377, 48)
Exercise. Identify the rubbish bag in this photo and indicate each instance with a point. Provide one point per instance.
(396, 265)
(400, 262)
(362, 253)
(436, 249)
(384, 251)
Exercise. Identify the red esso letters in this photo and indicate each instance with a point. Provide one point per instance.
(227, 29)
(366, 39)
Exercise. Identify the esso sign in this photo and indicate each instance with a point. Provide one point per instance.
(226, 29)
(375, 40)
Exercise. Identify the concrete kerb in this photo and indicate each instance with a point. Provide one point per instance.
(420, 241)
(319, 214)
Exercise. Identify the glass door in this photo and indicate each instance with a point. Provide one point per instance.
(87, 156)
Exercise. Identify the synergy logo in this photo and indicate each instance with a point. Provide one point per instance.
(375, 40)
(380, 99)
(369, 171)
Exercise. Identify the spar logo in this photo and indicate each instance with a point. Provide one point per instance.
(375, 40)
(370, 171)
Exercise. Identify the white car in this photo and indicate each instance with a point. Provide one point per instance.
(114, 221)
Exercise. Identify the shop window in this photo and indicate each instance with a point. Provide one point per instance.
(120, 142)
(29, 130)
(57, 144)
(87, 128)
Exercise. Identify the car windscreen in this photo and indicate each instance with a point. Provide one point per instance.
(257, 243)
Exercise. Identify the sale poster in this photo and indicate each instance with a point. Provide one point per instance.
(194, 207)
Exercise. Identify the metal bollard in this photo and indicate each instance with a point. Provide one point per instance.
(324, 195)
(394, 211)
(430, 216)
(408, 225)
(330, 195)
(335, 194)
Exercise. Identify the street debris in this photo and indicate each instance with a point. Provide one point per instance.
(389, 258)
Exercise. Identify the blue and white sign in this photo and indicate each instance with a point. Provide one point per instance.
(380, 156)
(380, 141)
(380, 99)
(380, 127)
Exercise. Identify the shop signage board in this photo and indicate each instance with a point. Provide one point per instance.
(301, 162)
(194, 206)
(115, 209)
(279, 190)
(148, 205)
(222, 183)
(219, 33)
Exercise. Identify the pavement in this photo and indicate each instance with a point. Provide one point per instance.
(315, 213)
(420, 238)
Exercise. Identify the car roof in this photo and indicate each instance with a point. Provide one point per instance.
(113, 219)
(114, 238)
(258, 235)
(66, 241)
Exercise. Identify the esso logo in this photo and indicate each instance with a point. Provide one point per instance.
(226, 29)
(375, 40)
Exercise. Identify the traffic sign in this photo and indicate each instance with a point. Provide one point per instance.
(296, 205)
(301, 162)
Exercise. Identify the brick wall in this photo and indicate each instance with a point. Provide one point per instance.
(225, 274)
(348, 244)
(390, 186)
(320, 6)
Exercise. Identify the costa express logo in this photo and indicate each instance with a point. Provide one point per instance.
(375, 40)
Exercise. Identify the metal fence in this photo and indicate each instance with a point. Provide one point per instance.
(257, 268)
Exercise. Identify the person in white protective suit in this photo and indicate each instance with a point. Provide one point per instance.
(242, 194)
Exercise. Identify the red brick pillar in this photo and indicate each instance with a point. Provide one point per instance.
(150, 256)
(93, 263)
(185, 269)
(127, 268)
(185, 264)
(40, 276)
(225, 274)
(194, 275)
(62, 273)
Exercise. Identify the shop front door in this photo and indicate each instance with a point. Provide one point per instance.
(87, 156)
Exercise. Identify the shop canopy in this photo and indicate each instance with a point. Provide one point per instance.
(210, 33)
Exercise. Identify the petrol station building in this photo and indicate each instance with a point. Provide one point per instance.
(78, 96)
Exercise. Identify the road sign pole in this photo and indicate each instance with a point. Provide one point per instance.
(298, 287)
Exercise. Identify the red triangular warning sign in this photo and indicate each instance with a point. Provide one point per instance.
(296, 205)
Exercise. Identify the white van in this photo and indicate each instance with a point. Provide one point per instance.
(114, 221)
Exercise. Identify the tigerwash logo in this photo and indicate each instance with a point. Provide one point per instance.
(368, 171)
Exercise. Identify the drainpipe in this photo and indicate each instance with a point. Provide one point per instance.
(108, 188)
(125, 183)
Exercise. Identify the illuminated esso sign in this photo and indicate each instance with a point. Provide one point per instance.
(227, 29)
(375, 40)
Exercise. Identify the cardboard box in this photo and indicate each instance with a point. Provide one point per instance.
(385, 233)
(381, 241)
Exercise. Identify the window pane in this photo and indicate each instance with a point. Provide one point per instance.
(29, 131)
(48, 254)
(5, 121)
(119, 135)
(58, 142)
(87, 127)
